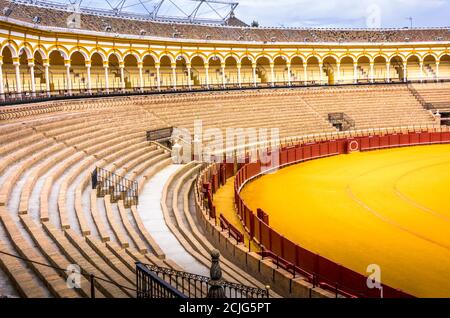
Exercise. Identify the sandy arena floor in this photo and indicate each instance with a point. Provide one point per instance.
(388, 207)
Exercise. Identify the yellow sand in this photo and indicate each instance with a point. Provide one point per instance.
(224, 203)
(388, 207)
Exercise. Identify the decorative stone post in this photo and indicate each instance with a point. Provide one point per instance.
(215, 289)
(174, 75)
(305, 73)
(158, 76)
(67, 64)
(239, 66)
(207, 76)
(141, 76)
(222, 68)
(289, 78)
(106, 68)
(254, 74)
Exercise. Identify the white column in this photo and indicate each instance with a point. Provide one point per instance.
(18, 79)
(437, 71)
(2, 86)
(338, 77)
(421, 71)
(388, 70)
(272, 73)
(68, 78)
(106, 67)
(355, 72)
(122, 76)
(305, 73)
(158, 76)
(174, 76)
(89, 80)
(239, 75)
(33, 82)
(405, 72)
(189, 70)
(207, 76)
(254, 74)
(47, 77)
(224, 80)
(321, 72)
(141, 76)
(289, 73)
(372, 73)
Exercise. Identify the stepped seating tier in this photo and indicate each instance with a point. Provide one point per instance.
(50, 214)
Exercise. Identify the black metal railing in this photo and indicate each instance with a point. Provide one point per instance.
(160, 135)
(420, 99)
(12, 97)
(344, 121)
(150, 285)
(118, 187)
(187, 284)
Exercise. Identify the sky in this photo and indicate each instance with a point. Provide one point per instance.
(346, 13)
(309, 13)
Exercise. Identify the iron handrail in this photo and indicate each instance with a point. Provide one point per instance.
(243, 289)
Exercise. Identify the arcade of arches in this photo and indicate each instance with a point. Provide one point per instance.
(28, 71)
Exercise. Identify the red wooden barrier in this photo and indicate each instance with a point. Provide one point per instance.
(263, 216)
(307, 152)
(232, 230)
(298, 153)
(315, 150)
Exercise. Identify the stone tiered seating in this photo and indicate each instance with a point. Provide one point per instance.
(67, 143)
(370, 107)
(50, 214)
(437, 94)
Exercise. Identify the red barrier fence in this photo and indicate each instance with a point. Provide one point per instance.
(292, 257)
(232, 230)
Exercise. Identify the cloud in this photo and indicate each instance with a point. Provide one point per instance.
(345, 13)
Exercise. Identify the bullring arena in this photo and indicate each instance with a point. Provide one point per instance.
(102, 173)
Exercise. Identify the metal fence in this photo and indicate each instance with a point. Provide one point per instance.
(120, 188)
(342, 119)
(159, 135)
(159, 282)
(150, 285)
(12, 97)
(420, 99)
